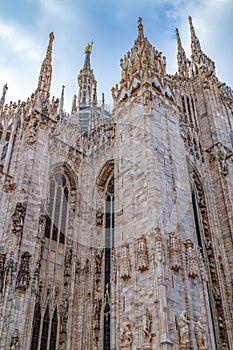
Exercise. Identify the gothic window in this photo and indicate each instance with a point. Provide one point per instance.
(57, 212)
(196, 222)
(45, 331)
(109, 244)
(53, 335)
(36, 327)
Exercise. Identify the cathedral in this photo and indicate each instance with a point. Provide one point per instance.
(116, 228)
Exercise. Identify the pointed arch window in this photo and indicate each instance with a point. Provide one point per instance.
(36, 327)
(53, 334)
(55, 227)
(109, 244)
(45, 331)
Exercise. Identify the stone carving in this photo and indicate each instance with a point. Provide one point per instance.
(9, 184)
(174, 252)
(158, 244)
(2, 271)
(10, 265)
(99, 217)
(24, 272)
(183, 327)
(15, 345)
(200, 334)
(32, 127)
(97, 312)
(18, 218)
(126, 336)
(191, 259)
(222, 162)
(42, 222)
(202, 267)
(146, 322)
(142, 254)
(64, 307)
(78, 266)
(125, 261)
(68, 261)
(98, 260)
(114, 266)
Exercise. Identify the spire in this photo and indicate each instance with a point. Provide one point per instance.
(61, 107)
(199, 58)
(140, 30)
(179, 44)
(93, 118)
(195, 43)
(102, 109)
(4, 91)
(74, 111)
(86, 79)
(45, 77)
(182, 61)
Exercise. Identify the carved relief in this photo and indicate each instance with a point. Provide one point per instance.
(68, 261)
(183, 328)
(98, 260)
(200, 334)
(142, 254)
(202, 267)
(32, 129)
(18, 218)
(97, 312)
(146, 322)
(99, 217)
(174, 251)
(126, 336)
(10, 269)
(9, 185)
(63, 310)
(15, 344)
(23, 277)
(42, 221)
(221, 331)
(158, 245)
(191, 259)
(125, 266)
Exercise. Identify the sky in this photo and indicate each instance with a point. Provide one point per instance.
(112, 25)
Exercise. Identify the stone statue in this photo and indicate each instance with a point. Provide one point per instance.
(146, 321)
(200, 335)
(24, 271)
(183, 326)
(126, 337)
(18, 218)
(15, 340)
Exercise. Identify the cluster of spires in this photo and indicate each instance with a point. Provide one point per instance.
(87, 83)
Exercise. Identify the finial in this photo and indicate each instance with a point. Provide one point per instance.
(140, 29)
(61, 108)
(94, 97)
(195, 43)
(74, 105)
(179, 45)
(45, 76)
(4, 91)
(49, 49)
(191, 26)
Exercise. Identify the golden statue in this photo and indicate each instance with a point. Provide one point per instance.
(88, 47)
